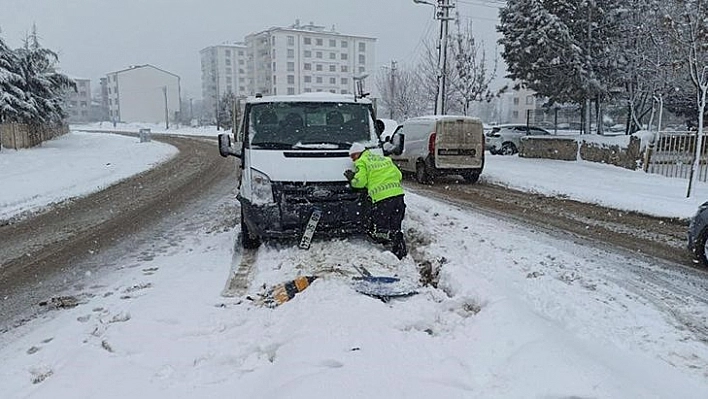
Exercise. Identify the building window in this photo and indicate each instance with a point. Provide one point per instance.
(291, 79)
(318, 79)
(345, 44)
(333, 68)
(241, 88)
(291, 67)
(228, 61)
(240, 62)
(333, 81)
(332, 56)
(228, 79)
(345, 68)
(240, 52)
(362, 59)
(362, 46)
(291, 90)
(318, 55)
(343, 91)
(318, 67)
(332, 43)
(291, 40)
(332, 91)
(272, 40)
(274, 79)
(308, 54)
(516, 100)
(362, 69)
(227, 53)
(308, 90)
(229, 88)
(318, 42)
(308, 78)
(345, 81)
(515, 114)
(291, 53)
(274, 65)
(307, 66)
(228, 70)
(344, 56)
(529, 100)
(307, 40)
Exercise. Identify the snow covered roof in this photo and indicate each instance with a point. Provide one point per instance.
(309, 97)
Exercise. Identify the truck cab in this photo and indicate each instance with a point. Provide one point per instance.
(293, 151)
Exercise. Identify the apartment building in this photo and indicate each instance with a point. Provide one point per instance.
(143, 93)
(304, 58)
(519, 106)
(79, 102)
(223, 71)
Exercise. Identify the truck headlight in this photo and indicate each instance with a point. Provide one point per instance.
(261, 189)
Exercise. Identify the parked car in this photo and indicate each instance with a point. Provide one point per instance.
(506, 139)
(698, 235)
(432, 146)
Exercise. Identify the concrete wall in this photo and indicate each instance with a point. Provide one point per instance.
(18, 135)
(575, 148)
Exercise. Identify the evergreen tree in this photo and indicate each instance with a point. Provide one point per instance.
(12, 98)
(43, 86)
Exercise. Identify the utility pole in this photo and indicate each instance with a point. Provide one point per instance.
(442, 14)
(393, 88)
(167, 112)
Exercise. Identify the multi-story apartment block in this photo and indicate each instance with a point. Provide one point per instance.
(519, 106)
(79, 102)
(307, 58)
(143, 93)
(223, 71)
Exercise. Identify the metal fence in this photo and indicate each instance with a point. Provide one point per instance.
(672, 155)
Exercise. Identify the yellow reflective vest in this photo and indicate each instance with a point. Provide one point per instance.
(378, 174)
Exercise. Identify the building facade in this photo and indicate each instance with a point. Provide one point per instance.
(223, 71)
(79, 102)
(143, 93)
(307, 58)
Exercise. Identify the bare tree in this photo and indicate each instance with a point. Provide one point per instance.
(428, 72)
(402, 93)
(472, 78)
(687, 25)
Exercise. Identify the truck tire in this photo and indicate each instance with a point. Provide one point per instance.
(248, 241)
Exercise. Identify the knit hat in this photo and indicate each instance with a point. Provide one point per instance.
(356, 148)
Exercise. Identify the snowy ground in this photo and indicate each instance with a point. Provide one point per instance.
(517, 313)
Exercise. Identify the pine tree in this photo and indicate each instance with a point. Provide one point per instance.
(43, 86)
(12, 98)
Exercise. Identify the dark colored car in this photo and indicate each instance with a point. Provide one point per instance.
(698, 235)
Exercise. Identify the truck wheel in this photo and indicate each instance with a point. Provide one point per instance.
(471, 177)
(248, 241)
(422, 174)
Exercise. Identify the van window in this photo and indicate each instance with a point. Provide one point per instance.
(285, 125)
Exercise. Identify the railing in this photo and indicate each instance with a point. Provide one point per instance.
(673, 153)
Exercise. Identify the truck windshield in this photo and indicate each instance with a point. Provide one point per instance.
(309, 125)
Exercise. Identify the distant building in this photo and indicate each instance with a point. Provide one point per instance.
(143, 93)
(307, 58)
(519, 106)
(223, 71)
(78, 103)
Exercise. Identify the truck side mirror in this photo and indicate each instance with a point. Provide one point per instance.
(380, 127)
(226, 148)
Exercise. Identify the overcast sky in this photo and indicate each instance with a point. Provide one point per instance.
(94, 37)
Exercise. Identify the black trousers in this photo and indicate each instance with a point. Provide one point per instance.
(385, 219)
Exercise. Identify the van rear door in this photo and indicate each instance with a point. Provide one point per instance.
(459, 143)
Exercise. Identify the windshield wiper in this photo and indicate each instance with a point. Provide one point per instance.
(323, 144)
(273, 145)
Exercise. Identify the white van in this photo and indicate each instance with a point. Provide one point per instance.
(439, 145)
(294, 151)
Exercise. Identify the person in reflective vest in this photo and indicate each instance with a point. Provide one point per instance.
(382, 180)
